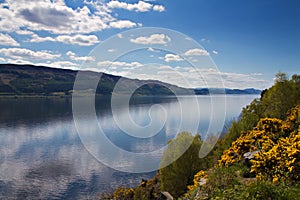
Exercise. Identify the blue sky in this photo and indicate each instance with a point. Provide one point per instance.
(249, 41)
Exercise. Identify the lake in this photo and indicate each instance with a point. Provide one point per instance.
(43, 156)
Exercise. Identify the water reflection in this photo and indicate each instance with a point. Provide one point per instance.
(41, 155)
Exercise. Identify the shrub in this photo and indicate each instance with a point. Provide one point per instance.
(220, 179)
(176, 176)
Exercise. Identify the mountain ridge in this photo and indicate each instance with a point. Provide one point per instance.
(31, 80)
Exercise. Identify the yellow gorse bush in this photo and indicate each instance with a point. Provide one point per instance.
(279, 145)
(262, 137)
(123, 193)
(197, 178)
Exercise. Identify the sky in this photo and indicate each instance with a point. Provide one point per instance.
(195, 43)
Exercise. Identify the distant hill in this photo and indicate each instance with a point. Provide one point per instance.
(206, 91)
(46, 81)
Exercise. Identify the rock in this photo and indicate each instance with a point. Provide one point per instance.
(249, 156)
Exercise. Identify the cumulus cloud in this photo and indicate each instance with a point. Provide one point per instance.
(120, 35)
(152, 39)
(58, 18)
(159, 8)
(215, 52)
(73, 56)
(116, 64)
(7, 40)
(111, 50)
(57, 64)
(172, 57)
(19, 62)
(23, 53)
(36, 38)
(61, 64)
(141, 6)
(24, 32)
(186, 76)
(256, 74)
(196, 52)
(82, 40)
(152, 50)
(122, 24)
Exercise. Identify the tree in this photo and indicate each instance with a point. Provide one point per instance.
(178, 175)
(280, 77)
(280, 97)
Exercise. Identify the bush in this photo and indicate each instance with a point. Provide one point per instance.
(221, 179)
(122, 193)
(178, 175)
(260, 190)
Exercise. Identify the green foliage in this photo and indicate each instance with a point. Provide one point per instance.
(262, 190)
(176, 176)
(220, 179)
(274, 103)
(278, 100)
(148, 189)
(229, 184)
(123, 193)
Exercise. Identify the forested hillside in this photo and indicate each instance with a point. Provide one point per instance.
(45, 81)
(29, 80)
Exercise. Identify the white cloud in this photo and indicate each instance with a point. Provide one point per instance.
(56, 64)
(56, 17)
(36, 38)
(122, 24)
(82, 40)
(7, 40)
(119, 64)
(196, 52)
(172, 57)
(165, 67)
(189, 76)
(2, 60)
(152, 50)
(73, 56)
(19, 62)
(22, 53)
(215, 52)
(111, 50)
(159, 8)
(256, 74)
(204, 40)
(24, 32)
(152, 39)
(141, 6)
(120, 35)
(61, 64)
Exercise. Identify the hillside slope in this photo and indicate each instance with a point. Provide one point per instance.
(45, 81)
(39, 80)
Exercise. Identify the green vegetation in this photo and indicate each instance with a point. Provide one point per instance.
(179, 174)
(28, 80)
(274, 103)
(269, 128)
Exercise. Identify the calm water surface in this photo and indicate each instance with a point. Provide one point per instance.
(42, 156)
